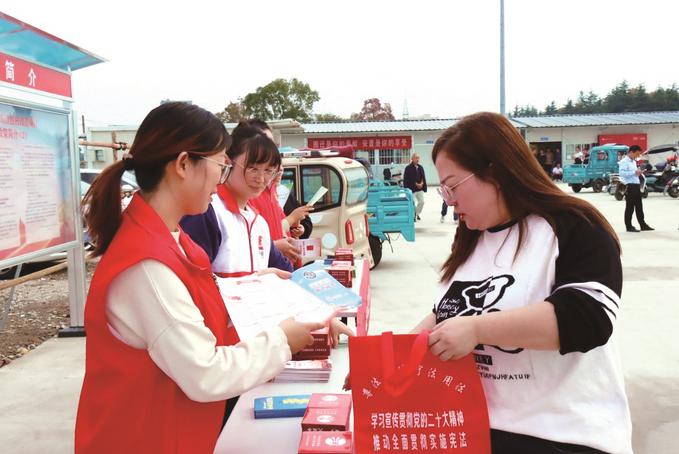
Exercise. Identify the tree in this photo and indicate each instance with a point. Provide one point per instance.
(588, 103)
(281, 98)
(525, 111)
(551, 109)
(618, 99)
(622, 98)
(327, 117)
(233, 113)
(568, 108)
(665, 98)
(373, 110)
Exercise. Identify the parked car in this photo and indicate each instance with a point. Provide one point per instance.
(89, 175)
(340, 216)
(603, 161)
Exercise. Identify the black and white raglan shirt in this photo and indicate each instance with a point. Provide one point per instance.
(574, 395)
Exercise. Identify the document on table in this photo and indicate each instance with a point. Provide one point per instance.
(256, 303)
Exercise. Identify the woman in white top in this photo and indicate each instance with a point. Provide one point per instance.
(532, 287)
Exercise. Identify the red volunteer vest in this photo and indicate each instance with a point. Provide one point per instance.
(269, 208)
(127, 403)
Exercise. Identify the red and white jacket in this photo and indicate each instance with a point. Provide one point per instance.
(246, 241)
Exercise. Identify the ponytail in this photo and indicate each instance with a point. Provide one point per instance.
(167, 130)
(102, 207)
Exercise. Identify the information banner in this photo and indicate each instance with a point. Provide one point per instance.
(31, 75)
(36, 200)
(363, 142)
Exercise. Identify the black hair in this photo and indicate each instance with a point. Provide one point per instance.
(166, 131)
(260, 149)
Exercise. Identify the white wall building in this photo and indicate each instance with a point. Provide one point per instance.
(391, 143)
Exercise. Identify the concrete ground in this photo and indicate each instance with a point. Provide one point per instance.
(39, 392)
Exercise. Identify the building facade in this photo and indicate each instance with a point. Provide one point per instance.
(390, 144)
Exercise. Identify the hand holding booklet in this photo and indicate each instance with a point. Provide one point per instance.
(256, 303)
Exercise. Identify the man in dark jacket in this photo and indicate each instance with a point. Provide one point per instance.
(414, 179)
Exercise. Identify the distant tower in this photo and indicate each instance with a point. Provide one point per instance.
(405, 109)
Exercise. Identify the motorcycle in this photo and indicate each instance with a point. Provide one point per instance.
(672, 187)
(652, 179)
(657, 181)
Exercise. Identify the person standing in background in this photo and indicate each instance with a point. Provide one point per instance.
(631, 176)
(415, 180)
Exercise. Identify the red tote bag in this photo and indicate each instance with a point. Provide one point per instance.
(406, 399)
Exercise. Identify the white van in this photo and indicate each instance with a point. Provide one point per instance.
(340, 217)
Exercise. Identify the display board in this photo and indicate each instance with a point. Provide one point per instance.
(36, 172)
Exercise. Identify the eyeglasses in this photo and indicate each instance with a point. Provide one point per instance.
(448, 192)
(226, 168)
(252, 172)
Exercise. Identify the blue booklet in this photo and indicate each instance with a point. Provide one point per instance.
(281, 406)
(316, 280)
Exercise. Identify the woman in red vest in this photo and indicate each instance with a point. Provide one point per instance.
(271, 210)
(162, 356)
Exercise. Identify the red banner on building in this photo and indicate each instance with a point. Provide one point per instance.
(31, 75)
(363, 143)
(625, 139)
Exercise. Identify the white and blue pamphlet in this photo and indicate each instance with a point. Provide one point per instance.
(316, 280)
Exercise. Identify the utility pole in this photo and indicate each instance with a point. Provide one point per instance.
(502, 57)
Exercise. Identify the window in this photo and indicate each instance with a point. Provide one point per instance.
(367, 154)
(313, 177)
(404, 156)
(288, 180)
(388, 157)
(99, 155)
(357, 185)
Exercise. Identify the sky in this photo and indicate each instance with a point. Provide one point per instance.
(442, 57)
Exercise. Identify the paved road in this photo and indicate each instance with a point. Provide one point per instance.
(38, 394)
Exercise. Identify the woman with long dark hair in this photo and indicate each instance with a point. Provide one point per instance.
(532, 287)
(162, 355)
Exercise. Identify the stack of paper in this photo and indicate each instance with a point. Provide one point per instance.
(310, 371)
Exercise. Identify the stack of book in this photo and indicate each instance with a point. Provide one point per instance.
(342, 271)
(344, 254)
(325, 426)
(320, 349)
(306, 371)
(327, 412)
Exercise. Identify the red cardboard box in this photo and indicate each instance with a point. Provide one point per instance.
(325, 443)
(320, 349)
(342, 274)
(344, 254)
(326, 419)
(324, 400)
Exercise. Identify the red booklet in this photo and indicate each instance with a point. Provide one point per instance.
(320, 349)
(325, 443)
(326, 419)
(344, 254)
(324, 400)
